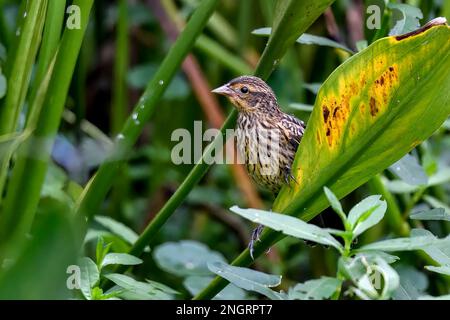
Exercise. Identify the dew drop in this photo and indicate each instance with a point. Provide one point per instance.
(120, 136)
(18, 32)
(189, 265)
(161, 82)
(134, 116)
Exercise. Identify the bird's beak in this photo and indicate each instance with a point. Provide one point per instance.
(224, 90)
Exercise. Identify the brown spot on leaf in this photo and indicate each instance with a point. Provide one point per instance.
(373, 107)
(326, 113)
(328, 132)
(335, 111)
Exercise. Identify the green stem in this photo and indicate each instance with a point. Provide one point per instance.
(120, 101)
(31, 166)
(19, 74)
(47, 51)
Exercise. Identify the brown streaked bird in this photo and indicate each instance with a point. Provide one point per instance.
(266, 137)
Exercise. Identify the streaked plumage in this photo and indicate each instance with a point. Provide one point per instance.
(267, 138)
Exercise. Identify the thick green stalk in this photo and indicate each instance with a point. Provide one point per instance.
(98, 187)
(19, 74)
(50, 41)
(29, 171)
(119, 105)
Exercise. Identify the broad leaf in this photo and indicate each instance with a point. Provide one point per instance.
(195, 284)
(441, 269)
(433, 214)
(409, 170)
(439, 252)
(139, 290)
(366, 214)
(120, 258)
(409, 20)
(370, 112)
(117, 228)
(405, 244)
(186, 258)
(318, 289)
(248, 279)
(412, 283)
(289, 226)
(89, 276)
(334, 202)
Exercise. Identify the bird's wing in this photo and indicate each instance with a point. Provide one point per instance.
(292, 128)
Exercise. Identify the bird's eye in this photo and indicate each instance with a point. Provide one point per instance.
(244, 89)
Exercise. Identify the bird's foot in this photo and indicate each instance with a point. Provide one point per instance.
(255, 237)
(288, 177)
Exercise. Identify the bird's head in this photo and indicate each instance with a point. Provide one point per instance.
(249, 94)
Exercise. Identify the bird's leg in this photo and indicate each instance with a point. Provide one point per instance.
(287, 173)
(255, 237)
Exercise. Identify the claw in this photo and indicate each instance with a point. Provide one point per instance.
(288, 176)
(255, 237)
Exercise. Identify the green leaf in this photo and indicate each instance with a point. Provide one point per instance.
(101, 250)
(186, 258)
(399, 186)
(405, 244)
(89, 276)
(439, 252)
(248, 279)
(334, 202)
(370, 112)
(117, 228)
(441, 269)
(433, 214)
(195, 284)
(120, 258)
(409, 170)
(137, 289)
(307, 38)
(435, 203)
(412, 283)
(289, 226)
(318, 289)
(409, 20)
(366, 214)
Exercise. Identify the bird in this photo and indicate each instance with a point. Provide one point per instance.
(266, 137)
